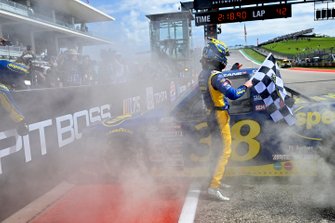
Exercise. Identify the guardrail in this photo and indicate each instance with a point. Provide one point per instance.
(11, 51)
(14, 7)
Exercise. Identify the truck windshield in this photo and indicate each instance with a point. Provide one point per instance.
(243, 104)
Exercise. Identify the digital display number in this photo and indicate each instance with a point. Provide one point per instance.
(243, 14)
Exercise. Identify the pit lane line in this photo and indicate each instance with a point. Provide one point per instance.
(248, 58)
(190, 205)
(311, 69)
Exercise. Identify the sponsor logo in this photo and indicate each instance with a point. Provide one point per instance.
(16, 67)
(121, 130)
(257, 98)
(160, 97)
(233, 74)
(281, 157)
(116, 121)
(131, 105)
(288, 166)
(311, 119)
(260, 107)
(237, 73)
(67, 128)
(277, 166)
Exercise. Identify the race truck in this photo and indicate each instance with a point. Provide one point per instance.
(285, 63)
(177, 140)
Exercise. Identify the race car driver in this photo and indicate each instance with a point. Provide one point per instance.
(216, 89)
(10, 74)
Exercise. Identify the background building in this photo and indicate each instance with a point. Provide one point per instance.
(47, 26)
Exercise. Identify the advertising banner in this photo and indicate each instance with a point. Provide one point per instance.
(58, 117)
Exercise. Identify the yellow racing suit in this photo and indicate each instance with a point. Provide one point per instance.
(7, 102)
(10, 74)
(215, 94)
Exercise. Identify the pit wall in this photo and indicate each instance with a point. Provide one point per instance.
(33, 164)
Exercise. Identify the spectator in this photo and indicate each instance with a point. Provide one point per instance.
(105, 66)
(69, 68)
(83, 27)
(119, 68)
(27, 56)
(87, 69)
(5, 42)
(53, 78)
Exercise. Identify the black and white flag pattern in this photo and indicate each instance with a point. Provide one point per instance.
(269, 85)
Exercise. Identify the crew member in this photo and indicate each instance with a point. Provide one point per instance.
(216, 89)
(27, 55)
(10, 73)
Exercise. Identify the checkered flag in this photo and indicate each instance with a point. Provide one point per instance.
(269, 85)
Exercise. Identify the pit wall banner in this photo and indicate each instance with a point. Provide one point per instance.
(57, 117)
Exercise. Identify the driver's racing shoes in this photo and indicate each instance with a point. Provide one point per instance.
(216, 193)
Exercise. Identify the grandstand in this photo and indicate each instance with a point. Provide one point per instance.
(294, 35)
(303, 48)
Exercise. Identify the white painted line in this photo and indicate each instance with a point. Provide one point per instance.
(37, 206)
(248, 58)
(190, 205)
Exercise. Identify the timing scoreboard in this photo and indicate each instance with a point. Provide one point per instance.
(243, 14)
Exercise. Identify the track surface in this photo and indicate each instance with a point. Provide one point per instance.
(308, 81)
(105, 203)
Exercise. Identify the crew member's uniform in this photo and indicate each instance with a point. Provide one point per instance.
(216, 90)
(8, 103)
(10, 73)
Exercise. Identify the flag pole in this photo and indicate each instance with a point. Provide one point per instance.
(245, 34)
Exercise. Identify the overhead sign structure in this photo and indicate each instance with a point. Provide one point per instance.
(325, 13)
(243, 14)
(209, 4)
(216, 4)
